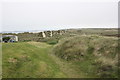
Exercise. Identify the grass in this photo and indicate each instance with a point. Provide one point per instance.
(24, 60)
(94, 55)
(85, 56)
(35, 60)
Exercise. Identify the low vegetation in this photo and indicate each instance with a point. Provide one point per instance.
(29, 60)
(94, 55)
(78, 53)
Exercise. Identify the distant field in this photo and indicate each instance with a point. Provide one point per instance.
(26, 36)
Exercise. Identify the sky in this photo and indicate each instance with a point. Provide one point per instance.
(22, 15)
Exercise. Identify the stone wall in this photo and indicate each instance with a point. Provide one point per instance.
(51, 33)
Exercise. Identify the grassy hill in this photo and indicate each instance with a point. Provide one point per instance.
(35, 60)
(24, 60)
(94, 55)
(86, 53)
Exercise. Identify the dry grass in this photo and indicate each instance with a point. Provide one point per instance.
(97, 52)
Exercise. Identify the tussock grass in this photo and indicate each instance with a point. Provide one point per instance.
(95, 55)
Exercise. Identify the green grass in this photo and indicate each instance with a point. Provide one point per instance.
(35, 60)
(24, 60)
(87, 56)
(97, 56)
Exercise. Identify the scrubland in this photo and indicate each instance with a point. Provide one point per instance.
(94, 55)
(87, 53)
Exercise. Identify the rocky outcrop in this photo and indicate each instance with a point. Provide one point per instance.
(40, 35)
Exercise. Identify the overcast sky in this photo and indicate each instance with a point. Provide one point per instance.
(24, 15)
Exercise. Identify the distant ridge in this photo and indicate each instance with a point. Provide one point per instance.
(36, 31)
(21, 31)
